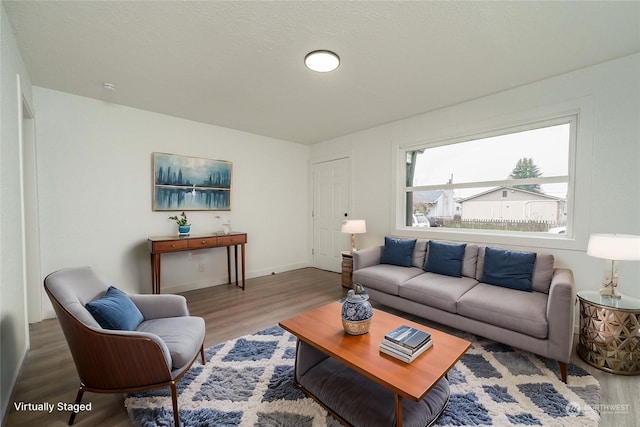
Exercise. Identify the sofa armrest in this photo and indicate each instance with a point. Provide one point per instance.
(560, 314)
(160, 306)
(367, 257)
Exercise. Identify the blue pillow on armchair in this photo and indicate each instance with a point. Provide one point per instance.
(445, 258)
(115, 310)
(398, 251)
(510, 269)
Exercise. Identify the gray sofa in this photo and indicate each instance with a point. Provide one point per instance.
(539, 320)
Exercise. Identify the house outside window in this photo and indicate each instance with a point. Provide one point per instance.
(515, 180)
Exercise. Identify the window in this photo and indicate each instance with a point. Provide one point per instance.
(517, 180)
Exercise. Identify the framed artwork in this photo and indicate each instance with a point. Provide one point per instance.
(190, 183)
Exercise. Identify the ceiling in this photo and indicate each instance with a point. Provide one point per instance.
(240, 64)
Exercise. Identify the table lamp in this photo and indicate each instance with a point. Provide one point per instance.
(613, 248)
(354, 226)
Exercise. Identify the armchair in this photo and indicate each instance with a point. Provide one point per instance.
(157, 353)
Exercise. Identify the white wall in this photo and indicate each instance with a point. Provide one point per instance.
(95, 180)
(13, 315)
(608, 153)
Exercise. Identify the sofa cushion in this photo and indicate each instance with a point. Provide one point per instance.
(542, 273)
(385, 277)
(470, 260)
(398, 251)
(445, 258)
(115, 310)
(511, 269)
(436, 290)
(523, 312)
(182, 335)
(420, 253)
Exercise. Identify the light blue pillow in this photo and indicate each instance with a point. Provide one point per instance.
(115, 310)
(398, 251)
(510, 269)
(445, 258)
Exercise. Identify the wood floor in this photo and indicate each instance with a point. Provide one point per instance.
(49, 375)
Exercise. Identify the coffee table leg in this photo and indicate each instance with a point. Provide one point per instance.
(398, 399)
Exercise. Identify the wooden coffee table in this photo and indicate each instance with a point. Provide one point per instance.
(320, 331)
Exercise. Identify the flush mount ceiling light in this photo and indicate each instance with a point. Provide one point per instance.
(322, 61)
(109, 86)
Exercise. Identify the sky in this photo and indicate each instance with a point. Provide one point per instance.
(493, 158)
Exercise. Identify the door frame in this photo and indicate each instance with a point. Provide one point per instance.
(348, 155)
(34, 292)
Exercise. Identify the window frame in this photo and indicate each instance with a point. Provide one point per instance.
(579, 113)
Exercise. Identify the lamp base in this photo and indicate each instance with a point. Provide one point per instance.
(610, 292)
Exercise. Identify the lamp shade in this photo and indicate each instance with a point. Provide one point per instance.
(354, 226)
(618, 247)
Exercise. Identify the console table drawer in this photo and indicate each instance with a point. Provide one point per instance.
(231, 240)
(203, 242)
(168, 246)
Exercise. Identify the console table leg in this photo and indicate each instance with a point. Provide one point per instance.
(155, 273)
(235, 260)
(398, 405)
(229, 264)
(242, 251)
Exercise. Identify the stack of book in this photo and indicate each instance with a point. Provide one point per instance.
(406, 343)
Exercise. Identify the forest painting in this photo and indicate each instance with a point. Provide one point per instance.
(190, 183)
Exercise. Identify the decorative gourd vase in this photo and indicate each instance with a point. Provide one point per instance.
(183, 230)
(357, 311)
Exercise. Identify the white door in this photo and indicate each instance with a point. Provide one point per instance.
(331, 183)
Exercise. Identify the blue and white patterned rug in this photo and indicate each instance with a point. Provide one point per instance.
(249, 382)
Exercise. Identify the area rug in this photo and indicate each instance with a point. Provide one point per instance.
(249, 382)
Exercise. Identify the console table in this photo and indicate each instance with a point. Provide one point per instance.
(161, 245)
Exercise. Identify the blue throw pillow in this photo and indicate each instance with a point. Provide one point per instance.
(398, 251)
(510, 269)
(115, 310)
(445, 258)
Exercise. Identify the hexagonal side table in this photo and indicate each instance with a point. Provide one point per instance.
(609, 335)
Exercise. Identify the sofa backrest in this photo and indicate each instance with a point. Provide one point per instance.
(542, 270)
(469, 262)
(473, 263)
(420, 253)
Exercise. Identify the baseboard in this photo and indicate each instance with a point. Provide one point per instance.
(6, 401)
(222, 280)
(279, 269)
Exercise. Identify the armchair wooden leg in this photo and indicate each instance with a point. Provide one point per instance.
(202, 354)
(563, 371)
(78, 399)
(174, 398)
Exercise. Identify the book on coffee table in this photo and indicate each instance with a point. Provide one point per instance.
(408, 337)
(406, 343)
(387, 348)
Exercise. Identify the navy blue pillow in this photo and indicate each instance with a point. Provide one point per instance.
(115, 310)
(398, 251)
(445, 258)
(510, 269)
